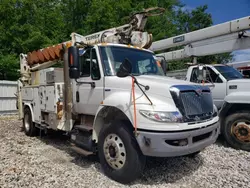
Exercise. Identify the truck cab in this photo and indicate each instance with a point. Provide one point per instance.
(220, 78)
(231, 94)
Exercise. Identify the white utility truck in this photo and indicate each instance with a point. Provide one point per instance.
(113, 100)
(230, 91)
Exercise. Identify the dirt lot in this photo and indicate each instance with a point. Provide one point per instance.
(48, 162)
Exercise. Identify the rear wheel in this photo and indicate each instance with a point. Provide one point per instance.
(236, 130)
(28, 125)
(119, 153)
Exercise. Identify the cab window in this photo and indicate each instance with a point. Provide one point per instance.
(85, 63)
(95, 71)
(89, 64)
(211, 76)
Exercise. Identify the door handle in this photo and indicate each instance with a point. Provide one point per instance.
(91, 83)
(77, 97)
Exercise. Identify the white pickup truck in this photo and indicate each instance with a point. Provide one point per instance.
(231, 95)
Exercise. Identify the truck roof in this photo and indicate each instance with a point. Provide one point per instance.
(124, 45)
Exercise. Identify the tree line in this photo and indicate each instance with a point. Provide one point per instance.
(27, 25)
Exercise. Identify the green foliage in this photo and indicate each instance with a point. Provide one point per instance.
(187, 21)
(27, 25)
(8, 67)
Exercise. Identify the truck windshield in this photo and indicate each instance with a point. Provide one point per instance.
(143, 62)
(229, 72)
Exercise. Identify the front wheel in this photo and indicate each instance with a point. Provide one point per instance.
(119, 153)
(236, 130)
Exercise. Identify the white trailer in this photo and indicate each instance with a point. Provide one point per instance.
(231, 93)
(114, 100)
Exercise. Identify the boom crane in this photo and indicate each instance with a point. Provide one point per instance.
(132, 33)
(221, 38)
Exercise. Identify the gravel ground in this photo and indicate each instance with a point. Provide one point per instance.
(48, 162)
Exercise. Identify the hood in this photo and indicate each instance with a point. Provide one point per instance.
(158, 85)
(163, 80)
(238, 85)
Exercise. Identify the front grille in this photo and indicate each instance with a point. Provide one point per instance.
(194, 106)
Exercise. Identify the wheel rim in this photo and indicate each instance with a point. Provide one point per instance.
(241, 130)
(114, 151)
(26, 122)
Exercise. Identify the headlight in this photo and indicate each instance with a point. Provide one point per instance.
(162, 116)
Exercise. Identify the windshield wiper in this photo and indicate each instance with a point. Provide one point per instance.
(146, 88)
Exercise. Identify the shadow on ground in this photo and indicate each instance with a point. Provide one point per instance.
(157, 170)
(169, 170)
(221, 142)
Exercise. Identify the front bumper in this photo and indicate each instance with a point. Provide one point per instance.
(166, 144)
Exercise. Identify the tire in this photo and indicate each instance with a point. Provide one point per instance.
(230, 134)
(131, 158)
(28, 126)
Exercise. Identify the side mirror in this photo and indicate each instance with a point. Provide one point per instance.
(125, 69)
(73, 59)
(164, 65)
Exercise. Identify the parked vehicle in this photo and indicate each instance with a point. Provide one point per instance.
(113, 99)
(230, 91)
(231, 95)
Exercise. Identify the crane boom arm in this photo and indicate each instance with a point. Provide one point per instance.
(216, 45)
(221, 38)
(131, 33)
(224, 29)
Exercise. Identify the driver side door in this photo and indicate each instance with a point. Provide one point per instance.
(89, 87)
